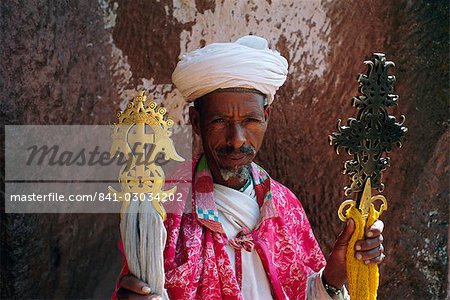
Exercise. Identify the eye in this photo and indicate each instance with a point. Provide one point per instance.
(218, 120)
(252, 120)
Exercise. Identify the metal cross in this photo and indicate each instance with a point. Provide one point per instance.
(374, 132)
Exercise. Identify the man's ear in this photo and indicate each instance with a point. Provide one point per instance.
(194, 117)
(267, 112)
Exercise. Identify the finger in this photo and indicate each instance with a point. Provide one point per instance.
(377, 260)
(131, 283)
(346, 234)
(371, 254)
(123, 294)
(375, 230)
(369, 243)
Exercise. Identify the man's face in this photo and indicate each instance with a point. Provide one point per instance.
(232, 126)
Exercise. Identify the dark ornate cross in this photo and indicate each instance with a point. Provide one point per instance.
(374, 132)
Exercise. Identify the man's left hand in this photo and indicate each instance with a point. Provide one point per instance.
(370, 250)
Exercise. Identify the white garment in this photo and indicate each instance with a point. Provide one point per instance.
(246, 63)
(237, 209)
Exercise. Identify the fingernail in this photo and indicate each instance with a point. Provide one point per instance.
(358, 256)
(370, 234)
(357, 248)
(146, 289)
(367, 262)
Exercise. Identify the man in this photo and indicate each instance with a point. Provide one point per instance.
(246, 236)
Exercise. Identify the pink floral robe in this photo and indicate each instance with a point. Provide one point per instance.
(197, 264)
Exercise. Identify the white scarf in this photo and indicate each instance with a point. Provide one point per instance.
(238, 209)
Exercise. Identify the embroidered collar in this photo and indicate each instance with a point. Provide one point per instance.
(204, 206)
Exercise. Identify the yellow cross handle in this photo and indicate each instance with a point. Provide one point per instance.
(363, 279)
(367, 201)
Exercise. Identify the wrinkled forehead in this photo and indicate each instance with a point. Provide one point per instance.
(241, 90)
(231, 101)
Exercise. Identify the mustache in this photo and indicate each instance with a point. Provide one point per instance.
(246, 149)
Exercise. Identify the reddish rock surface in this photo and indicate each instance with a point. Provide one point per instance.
(76, 63)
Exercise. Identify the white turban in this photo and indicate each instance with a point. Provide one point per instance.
(246, 63)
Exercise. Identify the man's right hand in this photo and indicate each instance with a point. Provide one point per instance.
(132, 288)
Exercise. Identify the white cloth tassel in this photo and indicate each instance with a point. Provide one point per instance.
(144, 238)
(130, 236)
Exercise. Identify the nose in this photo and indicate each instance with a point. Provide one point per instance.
(236, 135)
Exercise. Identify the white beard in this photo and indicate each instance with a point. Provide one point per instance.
(242, 173)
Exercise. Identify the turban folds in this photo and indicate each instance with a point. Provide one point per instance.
(246, 63)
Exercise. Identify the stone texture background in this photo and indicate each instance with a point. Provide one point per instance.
(77, 62)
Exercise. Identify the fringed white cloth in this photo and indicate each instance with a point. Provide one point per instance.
(246, 63)
(144, 238)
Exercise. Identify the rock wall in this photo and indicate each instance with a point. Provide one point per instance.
(68, 62)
